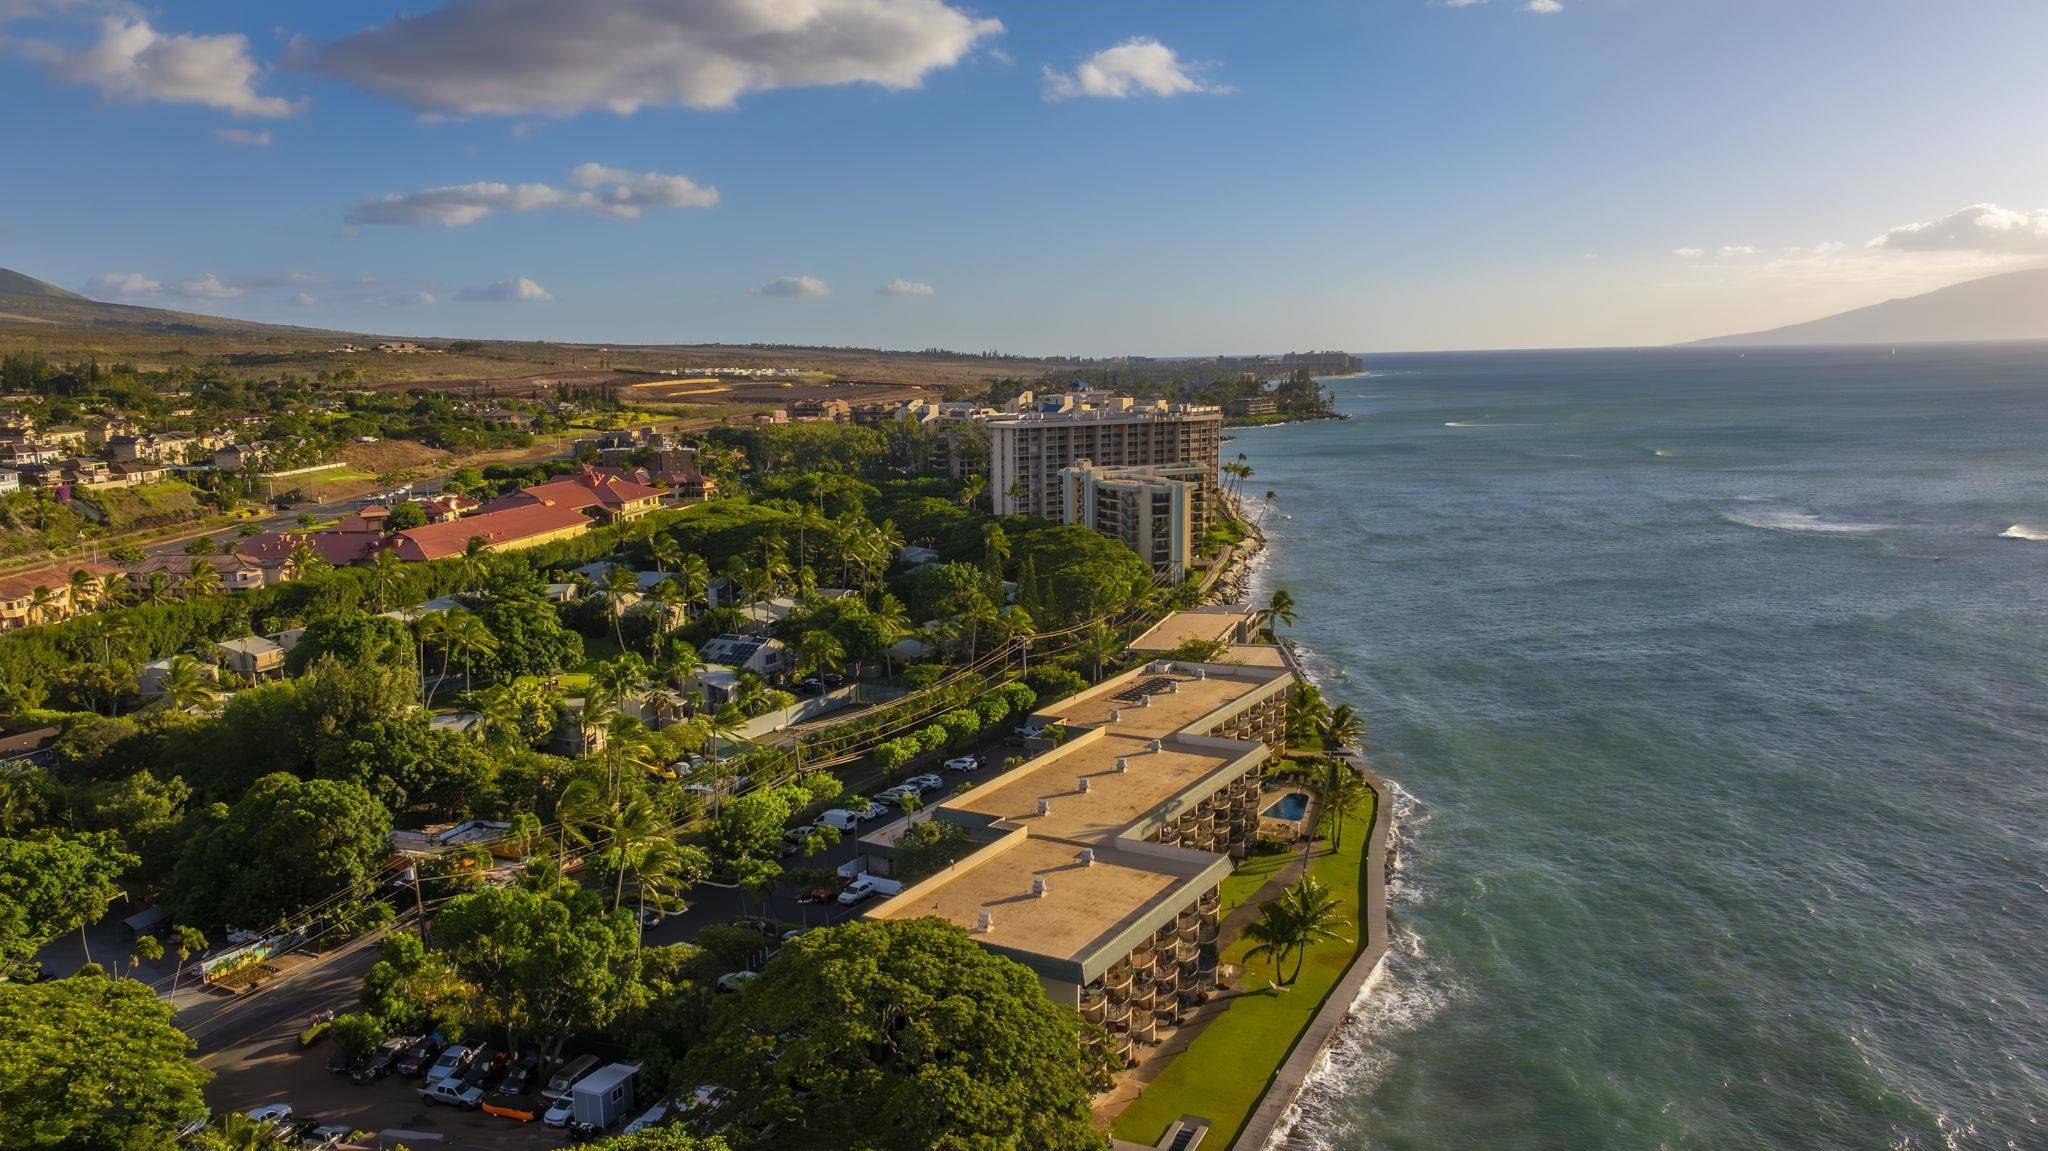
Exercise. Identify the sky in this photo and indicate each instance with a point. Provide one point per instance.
(1156, 178)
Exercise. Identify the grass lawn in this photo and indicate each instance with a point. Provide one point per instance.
(1224, 1072)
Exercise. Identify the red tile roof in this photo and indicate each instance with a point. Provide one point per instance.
(586, 489)
(495, 528)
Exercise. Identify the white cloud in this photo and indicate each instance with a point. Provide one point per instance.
(1140, 66)
(900, 288)
(1984, 228)
(547, 57)
(413, 299)
(1739, 249)
(133, 63)
(1688, 253)
(624, 194)
(1543, 7)
(794, 287)
(517, 290)
(602, 191)
(123, 284)
(305, 300)
(206, 287)
(244, 137)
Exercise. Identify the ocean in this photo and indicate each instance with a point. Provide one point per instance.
(1715, 689)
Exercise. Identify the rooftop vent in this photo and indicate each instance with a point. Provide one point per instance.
(987, 921)
(1122, 765)
(1038, 889)
(1156, 745)
(1084, 783)
(1115, 713)
(1045, 807)
(1173, 688)
(1087, 857)
(1201, 673)
(1145, 700)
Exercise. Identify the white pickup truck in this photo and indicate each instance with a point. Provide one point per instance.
(451, 1091)
(865, 886)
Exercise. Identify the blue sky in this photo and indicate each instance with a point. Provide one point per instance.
(1161, 178)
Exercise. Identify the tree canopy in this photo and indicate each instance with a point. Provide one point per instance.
(283, 847)
(93, 1062)
(896, 1035)
(52, 884)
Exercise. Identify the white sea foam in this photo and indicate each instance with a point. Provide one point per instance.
(1800, 522)
(1661, 454)
(2023, 532)
(1408, 989)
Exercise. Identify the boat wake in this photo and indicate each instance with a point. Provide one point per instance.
(1409, 989)
(1800, 522)
(2023, 532)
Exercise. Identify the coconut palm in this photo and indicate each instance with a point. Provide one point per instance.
(666, 551)
(186, 684)
(41, 604)
(202, 581)
(1313, 913)
(155, 589)
(683, 662)
(456, 632)
(1341, 728)
(84, 590)
(619, 582)
(818, 651)
(1279, 610)
(305, 558)
(1270, 939)
(1098, 644)
(1345, 796)
(501, 713)
(695, 576)
(114, 588)
(624, 824)
(386, 576)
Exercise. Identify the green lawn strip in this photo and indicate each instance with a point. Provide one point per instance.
(1252, 874)
(1224, 1072)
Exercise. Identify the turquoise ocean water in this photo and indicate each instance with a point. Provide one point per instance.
(1716, 689)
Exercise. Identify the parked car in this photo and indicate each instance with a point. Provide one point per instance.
(869, 811)
(735, 980)
(270, 1113)
(925, 782)
(484, 1068)
(379, 1063)
(453, 1092)
(866, 887)
(964, 763)
(521, 1076)
(833, 679)
(338, 1062)
(649, 917)
(1031, 730)
(452, 1063)
(418, 1058)
(809, 687)
(838, 819)
(560, 1112)
(566, 1076)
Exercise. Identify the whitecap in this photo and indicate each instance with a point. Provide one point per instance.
(1661, 454)
(1800, 522)
(2023, 532)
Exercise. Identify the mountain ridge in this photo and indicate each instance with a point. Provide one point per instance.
(2006, 306)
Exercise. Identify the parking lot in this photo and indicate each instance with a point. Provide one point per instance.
(266, 1065)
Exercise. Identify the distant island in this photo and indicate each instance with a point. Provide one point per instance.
(2011, 306)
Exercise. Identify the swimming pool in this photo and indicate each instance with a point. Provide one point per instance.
(1291, 806)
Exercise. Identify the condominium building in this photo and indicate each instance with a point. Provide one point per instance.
(1098, 864)
(1160, 511)
(1030, 446)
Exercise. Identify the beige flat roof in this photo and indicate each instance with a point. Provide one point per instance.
(1253, 655)
(1112, 802)
(1214, 624)
(1083, 905)
(1168, 712)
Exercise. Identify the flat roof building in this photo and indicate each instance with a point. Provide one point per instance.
(1160, 511)
(1028, 448)
(1099, 861)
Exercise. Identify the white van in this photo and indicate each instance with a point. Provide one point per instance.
(839, 819)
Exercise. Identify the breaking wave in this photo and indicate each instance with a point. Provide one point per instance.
(2023, 532)
(1800, 522)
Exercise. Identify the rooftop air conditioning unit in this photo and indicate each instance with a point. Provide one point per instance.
(1087, 857)
(1156, 745)
(1045, 807)
(1122, 765)
(1084, 783)
(1173, 688)
(1115, 713)
(1038, 889)
(1201, 673)
(1145, 700)
(987, 922)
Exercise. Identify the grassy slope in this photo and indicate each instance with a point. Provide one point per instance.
(1224, 1072)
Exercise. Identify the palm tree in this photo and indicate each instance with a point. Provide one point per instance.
(456, 631)
(305, 558)
(619, 582)
(626, 824)
(1279, 610)
(1312, 914)
(971, 489)
(386, 575)
(473, 566)
(113, 587)
(683, 661)
(191, 941)
(665, 870)
(695, 575)
(187, 685)
(665, 704)
(500, 710)
(818, 651)
(666, 552)
(995, 550)
(155, 589)
(1269, 937)
(1344, 797)
(84, 589)
(202, 581)
(41, 602)
(1099, 644)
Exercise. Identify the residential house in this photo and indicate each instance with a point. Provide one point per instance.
(25, 748)
(252, 656)
(236, 457)
(767, 658)
(447, 508)
(151, 677)
(10, 481)
(235, 571)
(507, 529)
(606, 495)
(820, 411)
(32, 452)
(44, 596)
(138, 473)
(85, 472)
